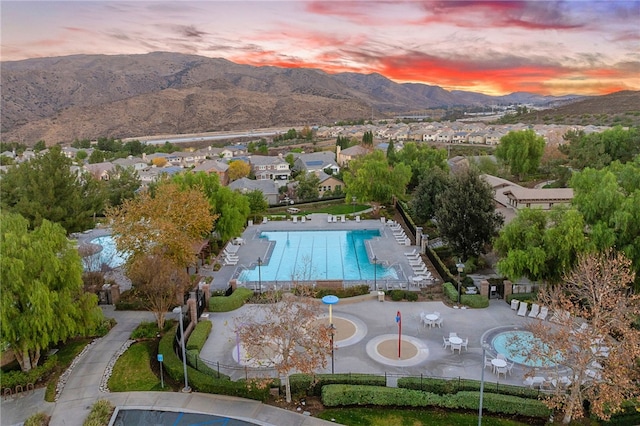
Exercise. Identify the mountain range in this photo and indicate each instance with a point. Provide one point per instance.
(60, 99)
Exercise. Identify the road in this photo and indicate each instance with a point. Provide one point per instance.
(210, 136)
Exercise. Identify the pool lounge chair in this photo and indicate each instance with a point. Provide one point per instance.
(304, 219)
(535, 310)
(544, 311)
(411, 253)
(522, 310)
(357, 219)
(295, 219)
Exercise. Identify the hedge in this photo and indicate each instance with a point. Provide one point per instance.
(451, 386)
(342, 293)
(202, 382)
(348, 395)
(199, 335)
(11, 379)
(474, 300)
(304, 384)
(232, 302)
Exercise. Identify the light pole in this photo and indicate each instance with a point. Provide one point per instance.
(331, 300)
(484, 357)
(460, 267)
(375, 273)
(186, 388)
(399, 321)
(259, 275)
(353, 201)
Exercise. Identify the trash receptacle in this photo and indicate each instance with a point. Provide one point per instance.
(381, 296)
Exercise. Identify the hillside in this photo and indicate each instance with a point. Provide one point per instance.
(91, 96)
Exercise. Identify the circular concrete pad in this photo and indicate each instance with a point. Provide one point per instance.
(384, 349)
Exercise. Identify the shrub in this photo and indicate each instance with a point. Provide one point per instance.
(199, 335)
(100, 413)
(451, 386)
(11, 379)
(397, 295)
(357, 290)
(104, 327)
(201, 381)
(232, 302)
(345, 395)
(474, 300)
(411, 296)
(130, 300)
(450, 291)
(145, 330)
(304, 384)
(38, 419)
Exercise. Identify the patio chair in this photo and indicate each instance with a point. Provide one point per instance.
(453, 334)
(522, 310)
(456, 346)
(501, 370)
(510, 367)
(446, 342)
(487, 363)
(535, 310)
(500, 356)
(464, 343)
(514, 304)
(544, 311)
(439, 322)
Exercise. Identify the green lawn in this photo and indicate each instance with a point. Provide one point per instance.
(132, 371)
(393, 417)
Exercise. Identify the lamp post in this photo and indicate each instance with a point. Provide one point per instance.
(399, 321)
(353, 201)
(375, 273)
(186, 388)
(331, 300)
(484, 357)
(259, 275)
(460, 267)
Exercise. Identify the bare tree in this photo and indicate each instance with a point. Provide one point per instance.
(592, 334)
(286, 334)
(158, 280)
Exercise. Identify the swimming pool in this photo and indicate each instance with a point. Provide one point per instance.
(109, 255)
(318, 255)
(517, 345)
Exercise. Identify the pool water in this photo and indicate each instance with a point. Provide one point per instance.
(516, 345)
(109, 255)
(319, 255)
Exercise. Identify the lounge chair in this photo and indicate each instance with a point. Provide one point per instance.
(417, 262)
(411, 253)
(357, 219)
(231, 261)
(583, 327)
(514, 304)
(413, 256)
(329, 219)
(295, 219)
(535, 310)
(522, 310)
(544, 311)
(342, 219)
(304, 219)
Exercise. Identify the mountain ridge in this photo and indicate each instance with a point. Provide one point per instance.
(59, 99)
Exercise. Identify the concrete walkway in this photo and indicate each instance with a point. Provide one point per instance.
(82, 389)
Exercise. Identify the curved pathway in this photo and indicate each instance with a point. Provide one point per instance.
(82, 389)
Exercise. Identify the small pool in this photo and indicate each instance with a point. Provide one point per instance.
(516, 345)
(319, 255)
(109, 255)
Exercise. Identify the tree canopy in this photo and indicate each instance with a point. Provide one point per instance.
(169, 224)
(230, 207)
(423, 203)
(421, 158)
(307, 188)
(47, 188)
(541, 245)
(42, 300)
(372, 179)
(123, 185)
(521, 151)
(597, 150)
(238, 169)
(465, 213)
(603, 355)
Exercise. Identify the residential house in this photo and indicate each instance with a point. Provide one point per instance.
(269, 188)
(154, 173)
(135, 163)
(542, 198)
(344, 156)
(218, 167)
(270, 168)
(329, 183)
(100, 171)
(476, 137)
(316, 161)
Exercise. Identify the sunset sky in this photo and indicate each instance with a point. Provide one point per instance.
(493, 47)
